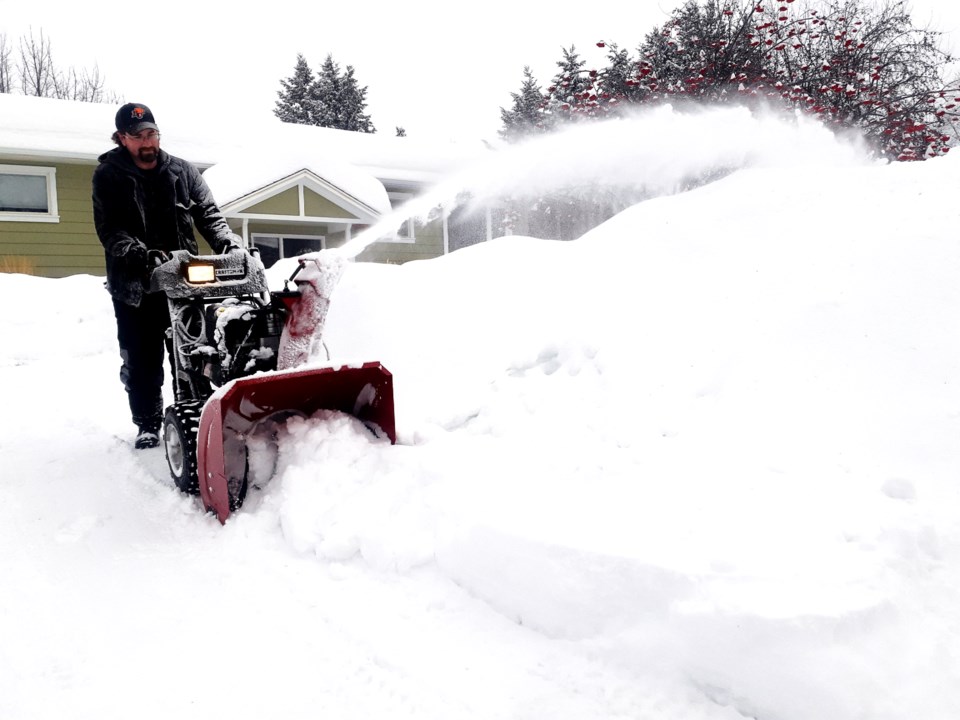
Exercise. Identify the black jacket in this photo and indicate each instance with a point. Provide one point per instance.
(119, 213)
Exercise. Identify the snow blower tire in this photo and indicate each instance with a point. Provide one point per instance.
(180, 424)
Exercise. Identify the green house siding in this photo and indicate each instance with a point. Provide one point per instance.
(58, 249)
(288, 203)
(285, 203)
(318, 206)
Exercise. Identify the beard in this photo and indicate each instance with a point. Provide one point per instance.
(147, 155)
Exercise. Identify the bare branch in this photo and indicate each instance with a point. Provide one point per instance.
(6, 78)
(36, 66)
(38, 74)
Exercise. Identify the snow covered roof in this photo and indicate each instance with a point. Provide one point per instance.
(242, 176)
(32, 128)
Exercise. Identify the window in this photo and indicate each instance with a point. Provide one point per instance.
(275, 247)
(28, 194)
(405, 233)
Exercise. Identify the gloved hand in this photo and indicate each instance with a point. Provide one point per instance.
(155, 258)
(135, 256)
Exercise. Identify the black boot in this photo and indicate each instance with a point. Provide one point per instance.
(148, 437)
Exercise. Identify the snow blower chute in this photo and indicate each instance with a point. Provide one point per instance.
(238, 352)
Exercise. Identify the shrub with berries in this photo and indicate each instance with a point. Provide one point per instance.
(851, 64)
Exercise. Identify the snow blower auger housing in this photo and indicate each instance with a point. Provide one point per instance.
(237, 351)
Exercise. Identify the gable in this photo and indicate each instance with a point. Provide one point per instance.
(288, 203)
(316, 204)
(301, 196)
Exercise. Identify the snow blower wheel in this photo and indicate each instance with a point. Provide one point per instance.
(180, 425)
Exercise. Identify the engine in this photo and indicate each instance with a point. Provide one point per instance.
(227, 339)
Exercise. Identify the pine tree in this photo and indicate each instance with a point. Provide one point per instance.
(526, 116)
(325, 94)
(618, 81)
(352, 104)
(338, 100)
(570, 87)
(296, 104)
(331, 99)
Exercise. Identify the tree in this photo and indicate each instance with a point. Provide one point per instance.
(526, 115)
(6, 71)
(37, 74)
(325, 94)
(352, 103)
(330, 98)
(866, 67)
(571, 93)
(296, 103)
(700, 52)
(564, 213)
(617, 83)
(851, 64)
(36, 68)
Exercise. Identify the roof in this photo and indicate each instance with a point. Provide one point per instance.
(65, 130)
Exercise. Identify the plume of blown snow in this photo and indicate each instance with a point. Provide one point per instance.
(648, 153)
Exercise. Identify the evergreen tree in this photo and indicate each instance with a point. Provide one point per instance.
(703, 51)
(570, 92)
(618, 84)
(296, 104)
(331, 99)
(526, 116)
(352, 105)
(325, 94)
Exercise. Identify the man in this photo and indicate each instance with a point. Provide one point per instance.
(146, 203)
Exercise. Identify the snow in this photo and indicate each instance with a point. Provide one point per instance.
(700, 463)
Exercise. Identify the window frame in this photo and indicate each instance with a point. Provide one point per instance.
(52, 215)
(280, 237)
(406, 233)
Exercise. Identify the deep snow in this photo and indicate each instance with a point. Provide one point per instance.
(700, 463)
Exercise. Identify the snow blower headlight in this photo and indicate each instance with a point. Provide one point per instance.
(199, 273)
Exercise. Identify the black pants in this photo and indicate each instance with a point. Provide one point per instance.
(141, 332)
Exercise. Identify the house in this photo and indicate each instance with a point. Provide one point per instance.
(286, 189)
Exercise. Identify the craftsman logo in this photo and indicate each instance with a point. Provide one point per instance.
(229, 273)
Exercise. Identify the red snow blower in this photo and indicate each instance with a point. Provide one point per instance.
(238, 359)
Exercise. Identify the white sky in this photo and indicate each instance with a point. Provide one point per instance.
(437, 72)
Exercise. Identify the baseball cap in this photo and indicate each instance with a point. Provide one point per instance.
(134, 117)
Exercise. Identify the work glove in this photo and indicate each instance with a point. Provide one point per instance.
(135, 256)
(156, 258)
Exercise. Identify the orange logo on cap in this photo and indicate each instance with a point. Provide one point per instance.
(137, 113)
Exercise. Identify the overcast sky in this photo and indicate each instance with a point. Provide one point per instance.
(436, 69)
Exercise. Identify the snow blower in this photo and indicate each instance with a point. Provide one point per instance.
(238, 354)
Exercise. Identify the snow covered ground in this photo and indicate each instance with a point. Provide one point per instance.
(701, 463)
